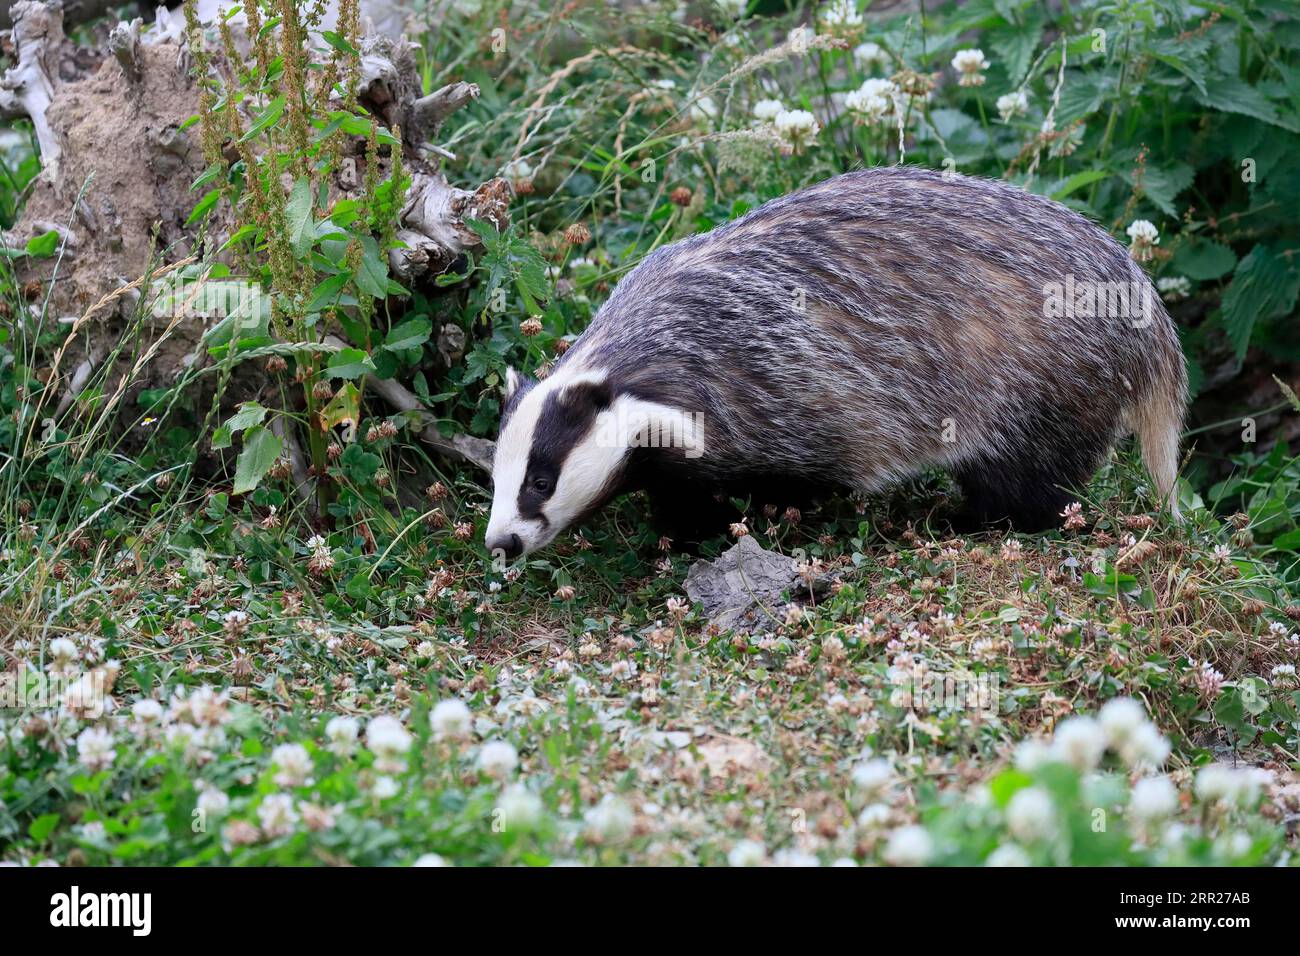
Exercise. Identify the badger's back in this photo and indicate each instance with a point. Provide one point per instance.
(887, 320)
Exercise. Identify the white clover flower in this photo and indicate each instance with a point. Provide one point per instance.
(518, 171)
(765, 111)
(797, 127)
(1079, 742)
(316, 542)
(147, 710)
(1008, 854)
(1032, 754)
(213, 802)
(747, 853)
(611, 820)
(1283, 675)
(497, 758)
(840, 17)
(908, 846)
(450, 720)
(874, 816)
(430, 859)
(1012, 104)
(202, 706)
(521, 809)
(1144, 229)
(794, 857)
(1145, 237)
(971, 65)
(869, 55)
(1234, 845)
(1153, 798)
(873, 776)
(1031, 815)
(63, 650)
(342, 733)
(1120, 718)
(704, 111)
(873, 100)
(1174, 288)
(1146, 748)
(800, 38)
(95, 749)
(94, 831)
(389, 741)
(294, 763)
(277, 815)
(1218, 784)
(666, 83)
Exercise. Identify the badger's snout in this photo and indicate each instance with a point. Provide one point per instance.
(512, 546)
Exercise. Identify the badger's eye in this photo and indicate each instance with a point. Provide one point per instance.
(541, 485)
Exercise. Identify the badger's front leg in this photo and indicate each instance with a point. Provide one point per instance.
(688, 512)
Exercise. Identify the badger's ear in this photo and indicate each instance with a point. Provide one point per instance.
(588, 396)
(512, 383)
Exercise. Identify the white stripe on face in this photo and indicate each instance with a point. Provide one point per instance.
(587, 467)
(510, 463)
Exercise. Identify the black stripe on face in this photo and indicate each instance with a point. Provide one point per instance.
(565, 420)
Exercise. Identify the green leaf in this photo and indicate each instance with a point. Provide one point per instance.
(240, 234)
(211, 174)
(1263, 288)
(1015, 46)
(359, 465)
(297, 214)
(1204, 260)
(349, 363)
(1076, 182)
(261, 452)
(1231, 95)
(203, 206)
(1162, 184)
(44, 245)
(1230, 711)
(1186, 69)
(43, 826)
(372, 276)
(410, 334)
(327, 293)
(249, 414)
(339, 43)
(269, 117)
(358, 587)
(1288, 541)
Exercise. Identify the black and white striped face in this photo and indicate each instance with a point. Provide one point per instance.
(551, 466)
(562, 453)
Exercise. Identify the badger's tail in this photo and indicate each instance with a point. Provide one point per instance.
(1158, 422)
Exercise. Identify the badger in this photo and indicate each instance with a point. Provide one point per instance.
(848, 336)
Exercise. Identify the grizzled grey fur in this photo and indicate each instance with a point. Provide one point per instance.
(858, 331)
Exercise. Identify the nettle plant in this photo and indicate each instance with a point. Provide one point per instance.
(275, 122)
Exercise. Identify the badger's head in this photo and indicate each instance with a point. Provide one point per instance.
(563, 451)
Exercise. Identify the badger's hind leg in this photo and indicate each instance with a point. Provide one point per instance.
(1028, 491)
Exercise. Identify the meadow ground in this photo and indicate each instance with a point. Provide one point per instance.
(280, 700)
